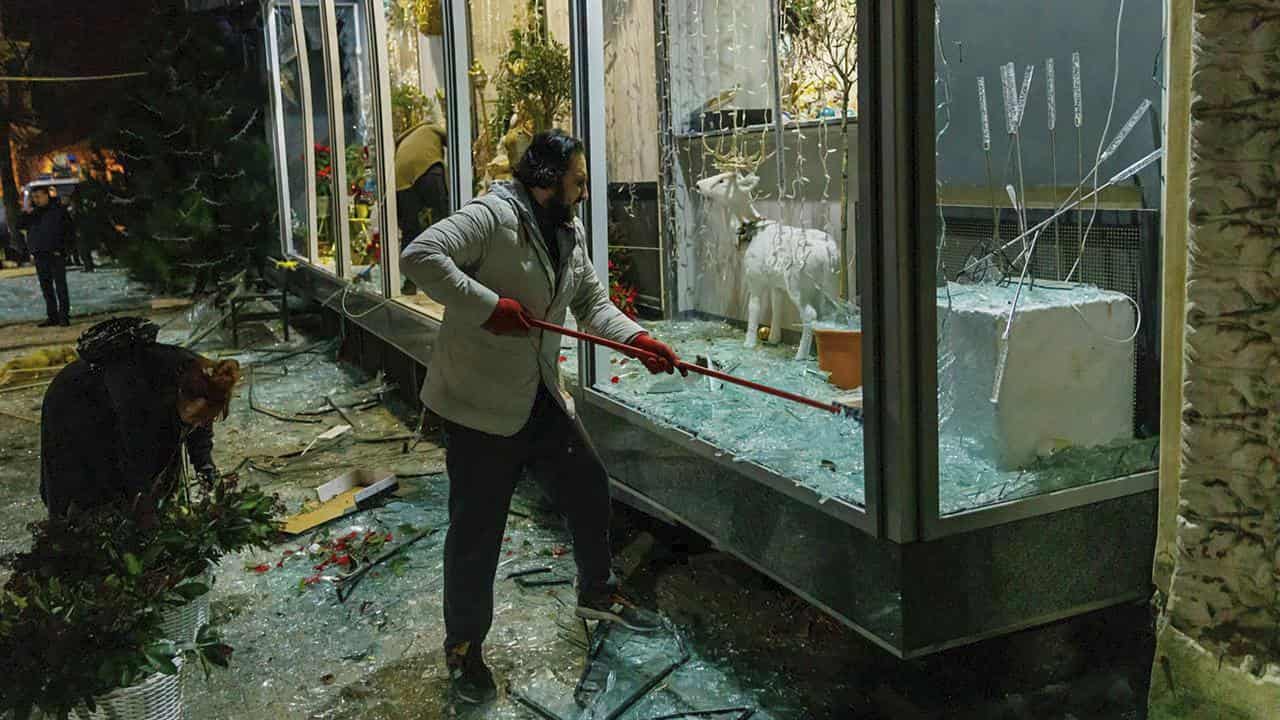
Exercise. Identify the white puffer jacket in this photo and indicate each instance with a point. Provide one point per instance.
(491, 248)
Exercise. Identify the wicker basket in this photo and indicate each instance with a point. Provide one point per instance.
(159, 697)
(181, 623)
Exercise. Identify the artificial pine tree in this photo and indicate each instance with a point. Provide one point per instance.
(196, 199)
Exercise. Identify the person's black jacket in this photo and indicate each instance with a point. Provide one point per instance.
(49, 228)
(113, 432)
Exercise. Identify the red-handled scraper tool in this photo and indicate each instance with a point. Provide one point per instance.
(834, 408)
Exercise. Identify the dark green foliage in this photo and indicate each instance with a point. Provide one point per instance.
(197, 199)
(80, 616)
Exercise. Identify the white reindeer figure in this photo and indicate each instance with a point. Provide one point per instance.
(800, 264)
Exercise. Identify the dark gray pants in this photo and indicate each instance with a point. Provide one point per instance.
(483, 471)
(51, 268)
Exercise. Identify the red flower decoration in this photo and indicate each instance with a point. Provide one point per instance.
(261, 569)
(615, 380)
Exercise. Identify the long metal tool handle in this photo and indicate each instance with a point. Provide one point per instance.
(644, 354)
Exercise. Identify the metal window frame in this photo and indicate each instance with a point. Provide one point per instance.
(384, 158)
(340, 208)
(275, 133)
(586, 48)
(457, 53)
(309, 133)
(905, 116)
(887, 159)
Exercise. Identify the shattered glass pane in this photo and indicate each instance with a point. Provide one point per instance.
(814, 449)
(1047, 368)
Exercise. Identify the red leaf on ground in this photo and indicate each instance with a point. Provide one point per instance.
(261, 568)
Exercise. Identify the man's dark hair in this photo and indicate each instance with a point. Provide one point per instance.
(547, 159)
(46, 189)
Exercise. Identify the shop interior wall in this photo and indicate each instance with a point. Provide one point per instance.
(978, 36)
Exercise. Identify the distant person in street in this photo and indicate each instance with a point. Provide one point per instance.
(83, 247)
(115, 421)
(49, 238)
(422, 195)
(516, 253)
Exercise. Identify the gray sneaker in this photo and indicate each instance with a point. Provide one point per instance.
(617, 609)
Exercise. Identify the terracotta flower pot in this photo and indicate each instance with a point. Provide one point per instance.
(840, 353)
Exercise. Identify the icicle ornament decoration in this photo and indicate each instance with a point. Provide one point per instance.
(1128, 128)
(1051, 90)
(1137, 167)
(1075, 89)
(1009, 83)
(982, 109)
(1023, 95)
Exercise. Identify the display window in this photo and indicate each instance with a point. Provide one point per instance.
(732, 238)
(522, 80)
(359, 144)
(1045, 241)
(425, 187)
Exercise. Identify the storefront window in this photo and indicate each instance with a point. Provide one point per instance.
(290, 132)
(416, 55)
(521, 80)
(360, 145)
(751, 276)
(1047, 207)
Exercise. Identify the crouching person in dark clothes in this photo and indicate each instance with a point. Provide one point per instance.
(515, 253)
(115, 422)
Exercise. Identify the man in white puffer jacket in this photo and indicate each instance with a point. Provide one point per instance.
(515, 253)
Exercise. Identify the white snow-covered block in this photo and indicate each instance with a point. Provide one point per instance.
(1068, 380)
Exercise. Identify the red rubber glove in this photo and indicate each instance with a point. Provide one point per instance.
(508, 318)
(661, 357)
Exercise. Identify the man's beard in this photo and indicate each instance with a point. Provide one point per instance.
(560, 208)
